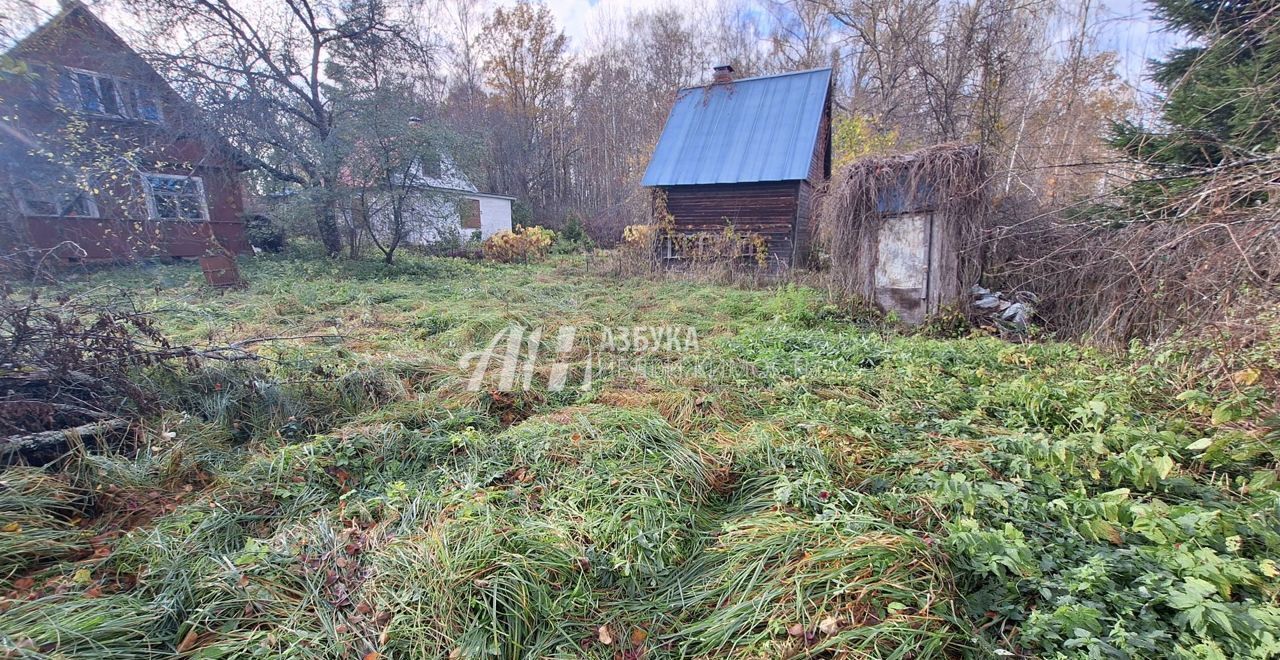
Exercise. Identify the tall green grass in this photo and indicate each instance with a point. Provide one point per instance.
(795, 487)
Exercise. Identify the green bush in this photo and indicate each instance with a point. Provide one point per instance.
(264, 234)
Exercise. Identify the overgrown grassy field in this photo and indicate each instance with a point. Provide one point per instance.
(799, 484)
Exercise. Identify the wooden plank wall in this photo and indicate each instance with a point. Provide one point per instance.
(767, 209)
(809, 191)
(805, 215)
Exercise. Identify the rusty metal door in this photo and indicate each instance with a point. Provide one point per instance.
(902, 266)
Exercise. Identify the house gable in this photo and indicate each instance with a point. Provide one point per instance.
(77, 42)
(742, 131)
(136, 174)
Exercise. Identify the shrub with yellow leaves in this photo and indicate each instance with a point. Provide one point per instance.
(639, 234)
(522, 244)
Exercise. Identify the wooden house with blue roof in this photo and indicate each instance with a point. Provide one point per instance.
(748, 153)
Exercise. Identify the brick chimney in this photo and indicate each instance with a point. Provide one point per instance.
(723, 74)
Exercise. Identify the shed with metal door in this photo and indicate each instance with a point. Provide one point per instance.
(905, 231)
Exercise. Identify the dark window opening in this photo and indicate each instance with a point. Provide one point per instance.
(55, 200)
(174, 197)
(470, 211)
(97, 94)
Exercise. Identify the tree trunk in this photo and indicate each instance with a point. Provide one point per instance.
(327, 218)
(327, 227)
(356, 228)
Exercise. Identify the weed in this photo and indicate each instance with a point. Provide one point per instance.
(790, 486)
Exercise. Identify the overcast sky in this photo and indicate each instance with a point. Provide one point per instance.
(1124, 26)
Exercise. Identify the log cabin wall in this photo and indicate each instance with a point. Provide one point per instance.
(751, 153)
(766, 209)
(810, 189)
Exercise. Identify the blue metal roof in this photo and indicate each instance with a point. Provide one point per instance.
(754, 129)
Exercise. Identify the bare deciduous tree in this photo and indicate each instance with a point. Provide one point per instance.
(260, 71)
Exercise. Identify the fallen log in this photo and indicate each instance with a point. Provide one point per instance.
(23, 444)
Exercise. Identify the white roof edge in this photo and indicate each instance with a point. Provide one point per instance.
(490, 195)
(472, 193)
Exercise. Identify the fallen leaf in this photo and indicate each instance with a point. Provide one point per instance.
(638, 636)
(12, 527)
(829, 625)
(455, 654)
(795, 629)
(372, 655)
(82, 576)
(604, 635)
(1246, 377)
(188, 641)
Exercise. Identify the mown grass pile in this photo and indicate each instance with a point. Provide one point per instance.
(795, 486)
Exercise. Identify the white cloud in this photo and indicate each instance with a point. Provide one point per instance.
(1123, 26)
(1128, 28)
(585, 21)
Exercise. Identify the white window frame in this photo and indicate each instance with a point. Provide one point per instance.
(125, 102)
(154, 213)
(58, 188)
(134, 111)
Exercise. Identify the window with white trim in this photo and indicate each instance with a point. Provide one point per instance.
(55, 200)
(175, 197)
(107, 96)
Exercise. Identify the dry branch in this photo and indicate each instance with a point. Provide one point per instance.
(1213, 250)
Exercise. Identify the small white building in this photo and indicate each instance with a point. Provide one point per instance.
(448, 206)
(470, 209)
(483, 212)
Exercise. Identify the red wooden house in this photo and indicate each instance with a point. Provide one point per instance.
(101, 160)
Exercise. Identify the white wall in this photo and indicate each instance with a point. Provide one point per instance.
(495, 215)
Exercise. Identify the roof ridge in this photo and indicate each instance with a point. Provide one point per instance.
(764, 77)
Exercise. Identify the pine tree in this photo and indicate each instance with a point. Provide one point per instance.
(1221, 95)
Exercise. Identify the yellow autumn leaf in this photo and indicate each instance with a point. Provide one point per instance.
(1246, 377)
(12, 527)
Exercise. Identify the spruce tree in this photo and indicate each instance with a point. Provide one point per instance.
(1221, 95)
